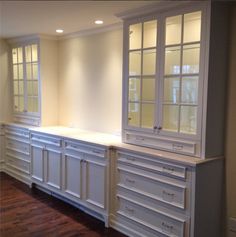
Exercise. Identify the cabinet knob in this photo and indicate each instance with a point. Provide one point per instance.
(159, 128)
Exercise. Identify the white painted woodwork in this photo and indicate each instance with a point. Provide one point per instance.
(17, 152)
(204, 140)
(53, 168)
(96, 182)
(73, 175)
(37, 162)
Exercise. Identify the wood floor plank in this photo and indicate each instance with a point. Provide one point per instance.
(26, 212)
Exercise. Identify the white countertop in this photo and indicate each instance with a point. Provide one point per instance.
(113, 141)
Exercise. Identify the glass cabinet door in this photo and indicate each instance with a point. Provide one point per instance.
(181, 73)
(25, 78)
(142, 74)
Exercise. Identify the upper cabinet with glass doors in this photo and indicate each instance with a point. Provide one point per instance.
(166, 58)
(34, 80)
(26, 79)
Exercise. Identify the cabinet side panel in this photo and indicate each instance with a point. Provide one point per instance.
(214, 139)
(208, 199)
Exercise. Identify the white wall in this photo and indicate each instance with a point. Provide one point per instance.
(5, 87)
(90, 81)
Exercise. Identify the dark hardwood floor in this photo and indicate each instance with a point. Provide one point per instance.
(30, 212)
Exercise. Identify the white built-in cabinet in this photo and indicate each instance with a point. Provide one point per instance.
(17, 152)
(71, 169)
(34, 80)
(168, 75)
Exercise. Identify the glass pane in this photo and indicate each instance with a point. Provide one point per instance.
(35, 105)
(21, 75)
(170, 118)
(20, 55)
(148, 89)
(35, 88)
(32, 104)
(192, 27)
(188, 119)
(15, 72)
(35, 70)
(21, 104)
(135, 36)
(149, 34)
(28, 71)
(134, 114)
(15, 88)
(171, 90)
(191, 55)
(16, 103)
(14, 56)
(28, 53)
(34, 52)
(134, 63)
(189, 90)
(29, 88)
(149, 62)
(173, 30)
(134, 89)
(147, 115)
(21, 88)
(172, 60)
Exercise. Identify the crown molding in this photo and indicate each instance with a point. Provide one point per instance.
(27, 38)
(158, 6)
(92, 31)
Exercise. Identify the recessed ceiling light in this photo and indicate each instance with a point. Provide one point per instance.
(98, 22)
(59, 31)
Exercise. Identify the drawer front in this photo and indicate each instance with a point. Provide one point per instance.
(17, 146)
(181, 147)
(47, 140)
(20, 132)
(17, 154)
(79, 147)
(153, 164)
(18, 164)
(155, 188)
(154, 219)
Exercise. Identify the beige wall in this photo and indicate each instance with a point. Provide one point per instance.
(90, 81)
(231, 124)
(5, 102)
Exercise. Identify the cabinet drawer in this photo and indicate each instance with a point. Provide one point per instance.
(17, 146)
(20, 132)
(18, 164)
(153, 164)
(154, 219)
(17, 154)
(155, 188)
(48, 140)
(182, 147)
(79, 147)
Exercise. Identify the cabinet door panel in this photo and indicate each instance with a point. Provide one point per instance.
(54, 168)
(37, 163)
(95, 183)
(72, 178)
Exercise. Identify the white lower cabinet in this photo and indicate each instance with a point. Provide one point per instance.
(2, 146)
(73, 170)
(17, 152)
(155, 197)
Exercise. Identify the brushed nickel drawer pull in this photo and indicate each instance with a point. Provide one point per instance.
(169, 227)
(130, 158)
(96, 152)
(130, 180)
(129, 209)
(168, 194)
(168, 169)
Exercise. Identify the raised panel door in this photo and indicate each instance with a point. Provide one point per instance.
(37, 162)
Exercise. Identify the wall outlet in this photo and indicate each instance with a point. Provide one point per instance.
(232, 224)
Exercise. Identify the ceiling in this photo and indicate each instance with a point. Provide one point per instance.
(20, 18)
